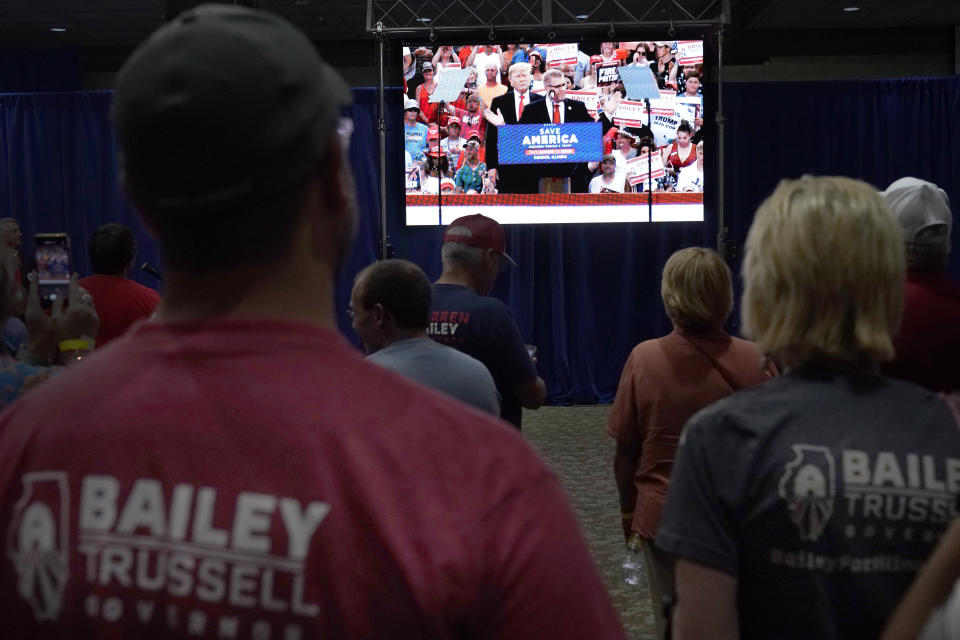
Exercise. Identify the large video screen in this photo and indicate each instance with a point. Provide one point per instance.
(554, 133)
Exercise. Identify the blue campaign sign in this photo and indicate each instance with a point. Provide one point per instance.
(550, 143)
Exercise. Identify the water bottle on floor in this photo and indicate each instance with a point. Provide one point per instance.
(634, 572)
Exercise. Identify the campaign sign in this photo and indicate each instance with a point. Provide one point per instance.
(664, 128)
(550, 143)
(639, 168)
(688, 108)
(588, 97)
(690, 52)
(630, 113)
(561, 54)
(607, 74)
(413, 179)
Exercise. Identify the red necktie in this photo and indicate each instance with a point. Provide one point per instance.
(520, 107)
(556, 112)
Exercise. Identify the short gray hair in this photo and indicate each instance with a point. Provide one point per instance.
(457, 254)
(553, 73)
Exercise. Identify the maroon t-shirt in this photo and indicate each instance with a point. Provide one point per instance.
(257, 479)
(928, 342)
(119, 303)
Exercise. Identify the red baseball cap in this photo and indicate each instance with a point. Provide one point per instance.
(479, 231)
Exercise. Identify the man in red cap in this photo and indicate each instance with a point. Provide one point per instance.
(452, 145)
(463, 316)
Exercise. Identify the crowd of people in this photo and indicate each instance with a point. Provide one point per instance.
(505, 85)
(233, 468)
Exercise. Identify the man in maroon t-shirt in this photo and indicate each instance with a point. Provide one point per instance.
(928, 343)
(234, 469)
(119, 300)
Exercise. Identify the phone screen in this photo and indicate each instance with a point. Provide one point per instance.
(53, 266)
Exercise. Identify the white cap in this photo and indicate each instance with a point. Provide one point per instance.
(920, 206)
(410, 103)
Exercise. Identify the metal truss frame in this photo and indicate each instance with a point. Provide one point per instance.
(425, 17)
(396, 20)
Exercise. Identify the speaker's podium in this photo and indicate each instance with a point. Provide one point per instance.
(552, 150)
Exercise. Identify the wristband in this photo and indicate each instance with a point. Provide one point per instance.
(76, 344)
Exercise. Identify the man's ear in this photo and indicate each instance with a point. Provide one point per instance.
(380, 314)
(492, 258)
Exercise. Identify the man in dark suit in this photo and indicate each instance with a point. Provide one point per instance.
(556, 109)
(507, 109)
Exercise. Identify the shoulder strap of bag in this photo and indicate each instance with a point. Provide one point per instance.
(734, 384)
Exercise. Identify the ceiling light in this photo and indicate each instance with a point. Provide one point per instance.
(423, 20)
(582, 16)
(851, 9)
(58, 29)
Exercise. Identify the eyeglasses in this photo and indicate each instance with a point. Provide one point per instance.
(557, 86)
(351, 314)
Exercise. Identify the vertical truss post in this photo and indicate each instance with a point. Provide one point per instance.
(382, 129)
(724, 245)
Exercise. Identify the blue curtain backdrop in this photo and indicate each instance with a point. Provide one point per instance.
(584, 294)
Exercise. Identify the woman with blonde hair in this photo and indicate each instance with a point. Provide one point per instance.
(667, 380)
(803, 508)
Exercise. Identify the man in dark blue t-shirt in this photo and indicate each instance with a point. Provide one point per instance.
(463, 316)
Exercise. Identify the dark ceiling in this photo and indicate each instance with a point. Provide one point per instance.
(105, 31)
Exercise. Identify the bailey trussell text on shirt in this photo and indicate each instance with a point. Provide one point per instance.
(869, 495)
(241, 556)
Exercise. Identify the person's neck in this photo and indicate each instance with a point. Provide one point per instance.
(253, 291)
(492, 83)
(407, 334)
(457, 277)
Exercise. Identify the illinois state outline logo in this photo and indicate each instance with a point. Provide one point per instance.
(37, 541)
(808, 486)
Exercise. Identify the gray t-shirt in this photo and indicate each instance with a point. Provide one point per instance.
(822, 492)
(442, 368)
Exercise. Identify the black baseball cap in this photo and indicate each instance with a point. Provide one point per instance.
(220, 105)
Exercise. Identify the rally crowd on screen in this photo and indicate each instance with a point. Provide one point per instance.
(452, 147)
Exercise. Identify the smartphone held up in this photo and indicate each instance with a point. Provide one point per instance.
(53, 266)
